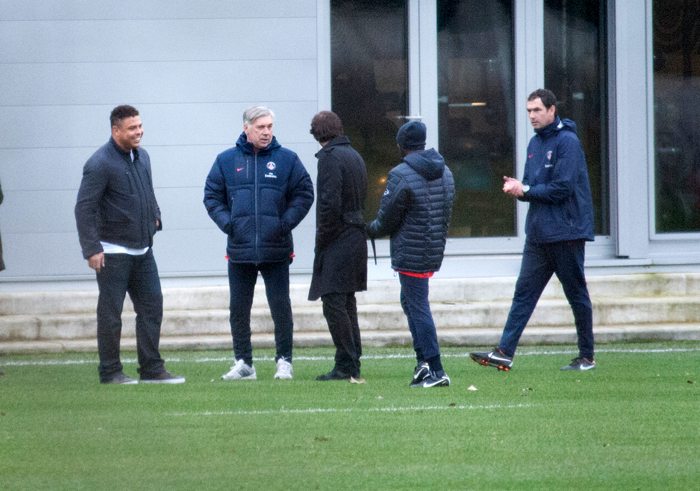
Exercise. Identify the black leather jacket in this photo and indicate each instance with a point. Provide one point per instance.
(116, 202)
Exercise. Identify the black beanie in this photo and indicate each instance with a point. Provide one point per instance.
(411, 136)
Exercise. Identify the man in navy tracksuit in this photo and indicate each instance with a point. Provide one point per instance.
(257, 192)
(559, 222)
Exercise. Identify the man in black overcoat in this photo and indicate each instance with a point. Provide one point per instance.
(340, 263)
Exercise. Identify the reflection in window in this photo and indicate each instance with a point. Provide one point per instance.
(476, 112)
(677, 115)
(369, 53)
(575, 70)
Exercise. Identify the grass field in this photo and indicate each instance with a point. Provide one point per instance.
(633, 423)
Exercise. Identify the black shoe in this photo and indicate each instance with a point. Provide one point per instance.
(164, 377)
(334, 374)
(420, 372)
(119, 378)
(495, 358)
(436, 379)
(580, 363)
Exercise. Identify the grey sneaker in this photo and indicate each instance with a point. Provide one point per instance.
(284, 369)
(495, 358)
(164, 377)
(580, 363)
(419, 373)
(241, 371)
(120, 378)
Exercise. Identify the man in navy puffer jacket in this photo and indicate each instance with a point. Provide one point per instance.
(257, 192)
(415, 212)
(558, 224)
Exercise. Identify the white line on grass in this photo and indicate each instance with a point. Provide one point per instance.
(331, 358)
(344, 410)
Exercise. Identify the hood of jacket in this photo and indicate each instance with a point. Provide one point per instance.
(248, 148)
(428, 163)
(556, 126)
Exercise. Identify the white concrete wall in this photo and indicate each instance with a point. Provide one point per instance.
(191, 68)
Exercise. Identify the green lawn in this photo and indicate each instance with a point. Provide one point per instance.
(633, 423)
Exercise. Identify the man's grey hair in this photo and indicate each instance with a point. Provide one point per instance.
(254, 112)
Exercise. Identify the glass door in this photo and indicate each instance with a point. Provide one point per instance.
(377, 86)
(476, 104)
(452, 64)
(369, 83)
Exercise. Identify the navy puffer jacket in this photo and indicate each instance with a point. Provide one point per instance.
(415, 212)
(257, 199)
(561, 207)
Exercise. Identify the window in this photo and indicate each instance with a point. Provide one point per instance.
(677, 115)
(369, 57)
(476, 101)
(576, 71)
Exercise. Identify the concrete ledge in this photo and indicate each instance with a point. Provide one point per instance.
(458, 337)
(552, 313)
(462, 290)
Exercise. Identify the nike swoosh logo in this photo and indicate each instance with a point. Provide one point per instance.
(239, 169)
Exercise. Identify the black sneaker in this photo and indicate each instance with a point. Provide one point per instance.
(436, 379)
(334, 374)
(580, 363)
(495, 358)
(164, 377)
(119, 378)
(420, 372)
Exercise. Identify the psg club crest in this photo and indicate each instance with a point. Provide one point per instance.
(549, 157)
(271, 165)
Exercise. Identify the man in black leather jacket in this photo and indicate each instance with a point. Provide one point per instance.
(117, 216)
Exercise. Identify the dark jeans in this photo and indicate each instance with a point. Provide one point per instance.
(242, 278)
(340, 311)
(416, 306)
(138, 276)
(540, 261)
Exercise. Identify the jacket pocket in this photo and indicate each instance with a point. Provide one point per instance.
(271, 230)
(242, 230)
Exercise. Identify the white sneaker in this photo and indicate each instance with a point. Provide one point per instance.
(240, 371)
(284, 369)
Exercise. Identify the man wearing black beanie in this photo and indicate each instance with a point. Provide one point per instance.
(415, 212)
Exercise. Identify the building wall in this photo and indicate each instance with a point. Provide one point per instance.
(191, 68)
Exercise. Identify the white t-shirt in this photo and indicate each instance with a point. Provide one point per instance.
(118, 249)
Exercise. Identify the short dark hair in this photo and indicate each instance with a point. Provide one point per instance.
(120, 113)
(325, 126)
(547, 96)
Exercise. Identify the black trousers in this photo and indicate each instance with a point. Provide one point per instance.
(137, 276)
(340, 311)
(242, 278)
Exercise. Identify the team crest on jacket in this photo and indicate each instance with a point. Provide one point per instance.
(549, 156)
(271, 167)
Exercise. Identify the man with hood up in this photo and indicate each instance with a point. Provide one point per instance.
(558, 224)
(415, 212)
(257, 192)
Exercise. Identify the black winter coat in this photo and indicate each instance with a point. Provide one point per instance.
(340, 264)
(415, 212)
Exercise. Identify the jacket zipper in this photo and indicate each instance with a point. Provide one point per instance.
(257, 224)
